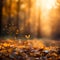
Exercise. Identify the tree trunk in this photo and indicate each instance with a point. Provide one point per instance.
(1, 5)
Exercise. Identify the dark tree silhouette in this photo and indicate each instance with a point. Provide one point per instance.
(1, 5)
(56, 33)
(17, 31)
(9, 18)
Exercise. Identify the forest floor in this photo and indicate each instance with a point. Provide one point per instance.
(36, 49)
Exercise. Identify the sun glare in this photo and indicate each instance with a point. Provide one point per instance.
(47, 4)
(38, 3)
(44, 7)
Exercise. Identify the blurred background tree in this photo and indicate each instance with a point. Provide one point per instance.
(15, 13)
(1, 5)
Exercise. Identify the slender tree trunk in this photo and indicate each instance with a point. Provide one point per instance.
(39, 26)
(1, 5)
(17, 31)
(9, 18)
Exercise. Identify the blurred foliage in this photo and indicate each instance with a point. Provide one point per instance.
(15, 13)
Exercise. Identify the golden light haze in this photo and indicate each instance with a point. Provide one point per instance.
(38, 17)
(47, 11)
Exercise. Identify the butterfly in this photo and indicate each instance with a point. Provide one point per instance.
(27, 36)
